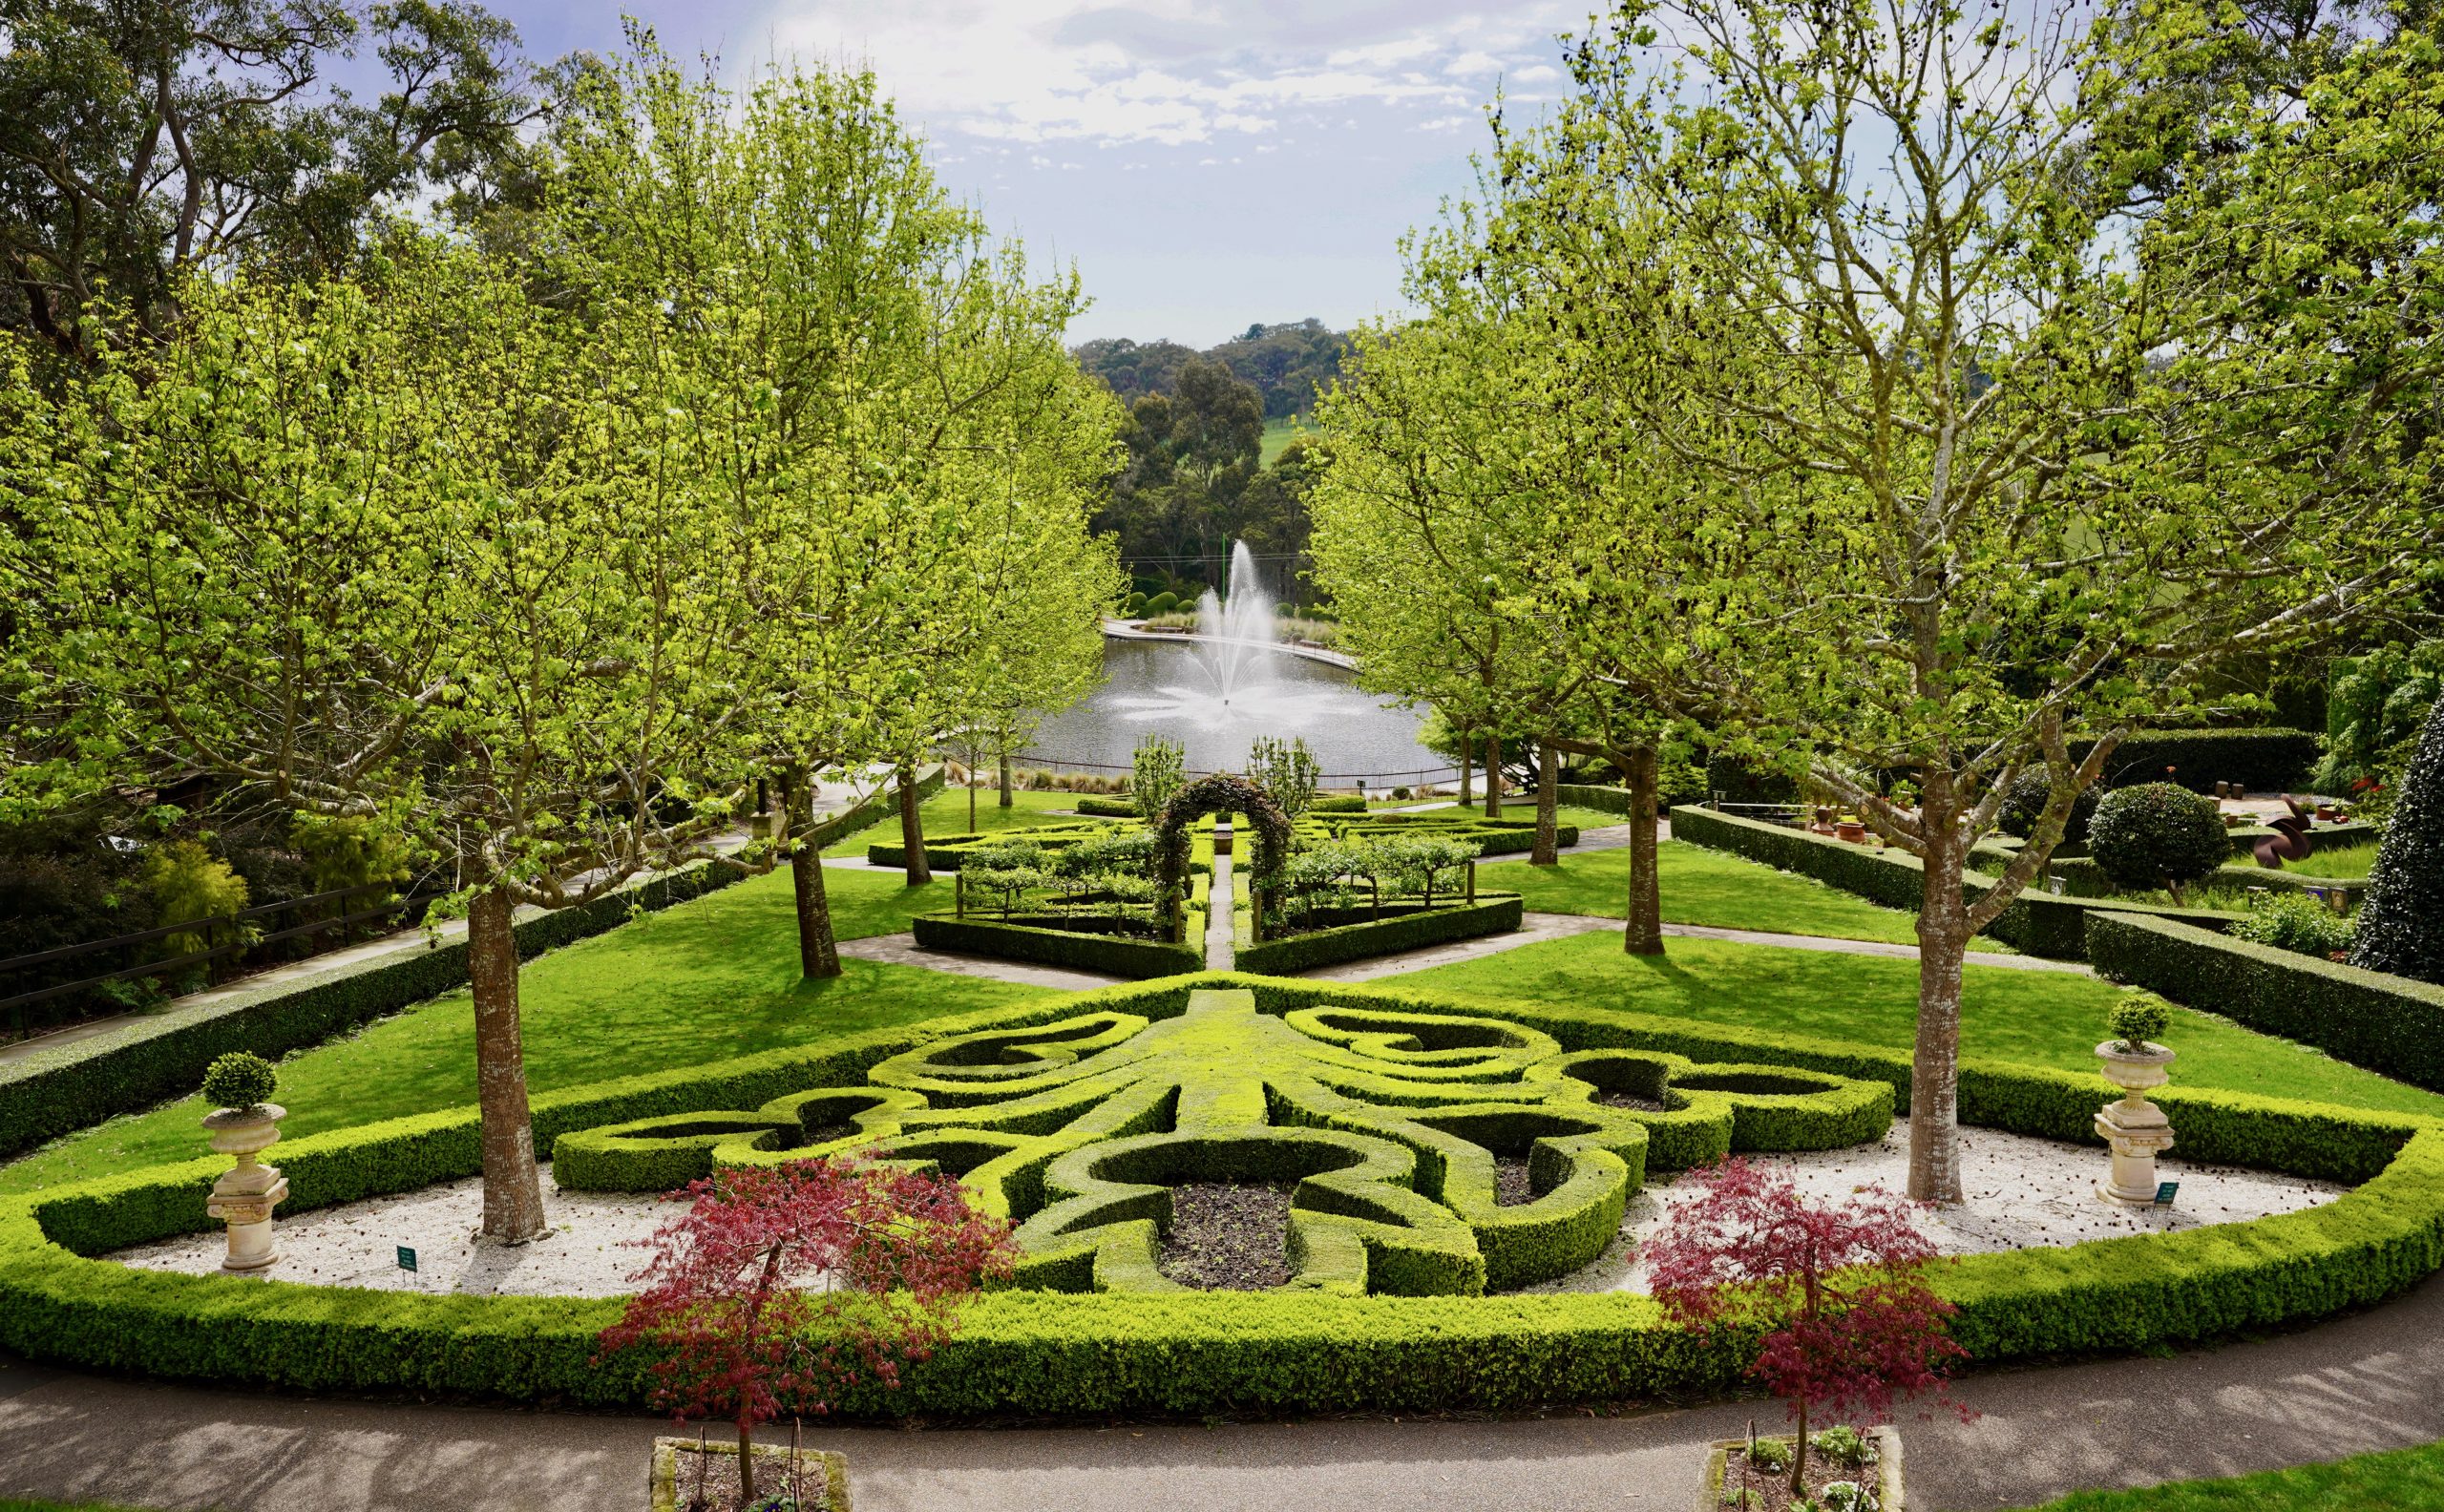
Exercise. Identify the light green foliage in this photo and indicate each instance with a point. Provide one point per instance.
(2294, 921)
(1286, 771)
(2136, 1018)
(189, 884)
(240, 1079)
(2375, 705)
(1703, 886)
(2157, 833)
(1157, 768)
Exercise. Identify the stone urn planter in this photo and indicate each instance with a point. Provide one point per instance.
(823, 1477)
(244, 1197)
(1882, 1473)
(2135, 1128)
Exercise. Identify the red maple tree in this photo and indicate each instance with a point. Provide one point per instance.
(793, 1284)
(1838, 1288)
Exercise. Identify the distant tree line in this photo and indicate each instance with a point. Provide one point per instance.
(1287, 364)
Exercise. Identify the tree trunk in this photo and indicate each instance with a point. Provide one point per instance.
(971, 803)
(1494, 776)
(1467, 769)
(1644, 936)
(818, 955)
(745, 1462)
(1943, 940)
(512, 1188)
(1798, 1456)
(912, 828)
(1546, 850)
(1006, 800)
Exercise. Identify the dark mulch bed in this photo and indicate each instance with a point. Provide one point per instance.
(1511, 1186)
(826, 1133)
(1228, 1236)
(1772, 1489)
(720, 1476)
(1629, 1100)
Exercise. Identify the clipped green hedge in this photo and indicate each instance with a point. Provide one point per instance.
(1491, 837)
(164, 1056)
(1111, 955)
(1316, 1350)
(1338, 804)
(945, 853)
(2084, 878)
(1492, 914)
(1102, 807)
(2388, 1024)
(2036, 922)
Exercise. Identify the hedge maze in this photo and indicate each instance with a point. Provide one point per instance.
(1391, 1124)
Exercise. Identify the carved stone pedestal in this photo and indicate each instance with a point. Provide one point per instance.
(244, 1197)
(2135, 1128)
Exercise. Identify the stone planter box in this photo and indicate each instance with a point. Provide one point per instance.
(669, 1490)
(1887, 1470)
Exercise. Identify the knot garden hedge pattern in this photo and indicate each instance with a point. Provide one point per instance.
(1391, 1124)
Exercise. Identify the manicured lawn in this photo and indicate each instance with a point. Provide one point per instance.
(946, 813)
(1700, 886)
(1278, 432)
(2049, 1019)
(704, 981)
(2399, 1479)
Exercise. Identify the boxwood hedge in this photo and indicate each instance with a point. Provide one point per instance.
(2036, 922)
(1491, 914)
(2390, 1025)
(1046, 941)
(1190, 1353)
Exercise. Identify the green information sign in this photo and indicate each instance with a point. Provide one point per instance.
(407, 1258)
(2166, 1192)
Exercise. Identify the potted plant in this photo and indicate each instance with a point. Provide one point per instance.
(2134, 1128)
(1838, 1291)
(244, 1122)
(735, 1332)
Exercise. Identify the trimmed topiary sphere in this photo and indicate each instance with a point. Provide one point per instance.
(2158, 835)
(240, 1079)
(2026, 800)
(2401, 926)
(2139, 1019)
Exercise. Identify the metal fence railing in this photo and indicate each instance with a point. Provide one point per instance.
(227, 937)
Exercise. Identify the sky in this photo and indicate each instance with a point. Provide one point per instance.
(1205, 164)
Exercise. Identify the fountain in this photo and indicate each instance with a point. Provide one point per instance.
(1216, 691)
(1238, 639)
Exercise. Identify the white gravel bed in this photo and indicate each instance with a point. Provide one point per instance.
(587, 1253)
(2021, 1192)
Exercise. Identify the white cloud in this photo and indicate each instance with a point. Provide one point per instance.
(1163, 72)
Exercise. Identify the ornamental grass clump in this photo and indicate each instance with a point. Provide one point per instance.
(1837, 1289)
(240, 1081)
(735, 1328)
(2137, 1021)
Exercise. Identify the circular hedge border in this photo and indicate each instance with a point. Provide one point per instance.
(1197, 1352)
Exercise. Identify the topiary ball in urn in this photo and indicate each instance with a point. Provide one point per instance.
(240, 1081)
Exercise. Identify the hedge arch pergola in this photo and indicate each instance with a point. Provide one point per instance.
(1219, 794)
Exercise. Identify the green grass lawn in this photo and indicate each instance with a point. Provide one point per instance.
(2036, 1017)
(703, 982)
(2398, 1480)
(1700, 886)
(945, 813)
(1278, 432)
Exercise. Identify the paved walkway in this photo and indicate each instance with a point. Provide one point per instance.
(2368, 1382)
(1221, 944)
(902, 950)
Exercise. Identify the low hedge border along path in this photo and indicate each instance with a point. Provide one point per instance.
(2385, 1023)
(2036, 922)
(1051, 1352)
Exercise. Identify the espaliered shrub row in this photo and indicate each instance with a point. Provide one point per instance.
(2388, 1024)
(1047, 943)
(1491, 837)
(1190, 1354)
(1408, 925)
(53, 1092)
(944, 852)
(2036, 922)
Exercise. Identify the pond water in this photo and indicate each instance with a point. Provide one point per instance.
(1158, 688)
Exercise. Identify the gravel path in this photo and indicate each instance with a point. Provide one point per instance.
(589, 1252)
(2022, 1192)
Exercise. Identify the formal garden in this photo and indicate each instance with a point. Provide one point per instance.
(553, 958)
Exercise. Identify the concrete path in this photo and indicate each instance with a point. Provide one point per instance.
(1221, 945)
(2368, 1382)
(1537, 928)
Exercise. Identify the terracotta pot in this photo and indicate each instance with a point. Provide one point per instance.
(1854, 833)
(1887, 1470)
(670, 1490)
